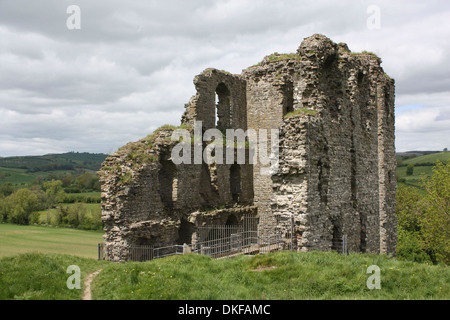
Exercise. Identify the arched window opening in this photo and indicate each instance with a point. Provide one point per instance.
(232, 220)
(168, 183)
(185, 232)
(336, 242)
(288, 97)
(223, 107)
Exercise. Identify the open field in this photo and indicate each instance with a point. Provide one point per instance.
(16, 176)
(420, 171)
(429, 158)
(17, 239)
(418, 175)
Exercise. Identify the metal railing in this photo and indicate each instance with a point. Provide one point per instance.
(245, 243)
(341, 245)
(221, 241)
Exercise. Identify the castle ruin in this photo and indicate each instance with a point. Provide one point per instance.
(334, 112)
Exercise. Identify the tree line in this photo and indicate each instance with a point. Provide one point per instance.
(22, 205)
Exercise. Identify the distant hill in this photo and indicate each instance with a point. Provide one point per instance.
(49, 162)
(426, 159)
(416, 153)
(23, 169)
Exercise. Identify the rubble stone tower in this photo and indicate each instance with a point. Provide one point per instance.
(334, 110)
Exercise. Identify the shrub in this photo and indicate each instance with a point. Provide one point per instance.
(409, 247)
(410, 170)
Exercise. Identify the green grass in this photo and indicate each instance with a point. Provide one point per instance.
(277, 276)
(89, 161)
(429, 158)
(303, 111)
(278, 57)
(416, 178)
(284, 276)
(421, 171)
(16, 176)
(17, 239)
(25, 169)
(33, 276)
(364, 53)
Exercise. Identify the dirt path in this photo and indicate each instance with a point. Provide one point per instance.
(87, 285)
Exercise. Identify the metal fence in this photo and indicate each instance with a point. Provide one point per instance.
(101, 251)
(222, 241)
(341, 245)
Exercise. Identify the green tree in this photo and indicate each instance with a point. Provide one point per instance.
(67, 180)
(435, 221)
(7, 189)
(410, 170)
(409, 212)
(423, 218)
(20, 205)
(53, 192)
(88, 181)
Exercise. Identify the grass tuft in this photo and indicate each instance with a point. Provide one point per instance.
(302, 111)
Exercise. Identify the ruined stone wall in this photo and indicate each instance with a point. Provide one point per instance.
(342, 185)
(230, 107)
(147, 199)
(387, 165)
(334, 110)
(269, 97)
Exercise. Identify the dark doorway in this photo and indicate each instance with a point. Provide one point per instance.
(168, 183)
(235, 182)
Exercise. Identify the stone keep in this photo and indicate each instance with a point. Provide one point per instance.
(334, 110)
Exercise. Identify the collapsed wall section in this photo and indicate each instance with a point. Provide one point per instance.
(148, 199)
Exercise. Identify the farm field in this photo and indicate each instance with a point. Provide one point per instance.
(429, 158)
(17, 239)
(423, 167)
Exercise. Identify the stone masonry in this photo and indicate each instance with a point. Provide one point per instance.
(334, 112)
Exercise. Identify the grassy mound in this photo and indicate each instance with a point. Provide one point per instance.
(281, 276)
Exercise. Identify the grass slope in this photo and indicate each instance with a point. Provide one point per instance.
(416, 178)
(421, 171)
(281, 276)
(17, 239)
(33, 276)
(429, 158)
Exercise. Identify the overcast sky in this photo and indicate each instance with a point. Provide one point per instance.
(129, 69)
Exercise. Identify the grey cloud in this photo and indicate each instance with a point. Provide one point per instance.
(130, 68)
